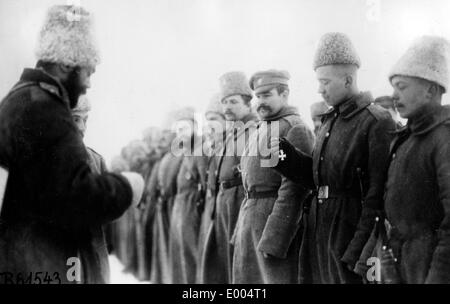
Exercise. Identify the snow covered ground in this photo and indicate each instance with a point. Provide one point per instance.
(117, 274)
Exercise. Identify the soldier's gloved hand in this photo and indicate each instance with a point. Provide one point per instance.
(137, 185)
(281, 148)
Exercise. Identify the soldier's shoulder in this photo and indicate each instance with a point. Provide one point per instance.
(378, 112)
(29, 97)
(291, 120)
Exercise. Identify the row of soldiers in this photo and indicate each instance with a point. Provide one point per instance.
(259, 199)
(329, 202)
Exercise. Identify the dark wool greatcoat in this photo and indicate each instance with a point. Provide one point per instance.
(53, 199)
(417, 197)
(350, 157)
(269, 223)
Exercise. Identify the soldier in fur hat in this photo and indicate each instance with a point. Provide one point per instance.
(52, 196)
(346, 171)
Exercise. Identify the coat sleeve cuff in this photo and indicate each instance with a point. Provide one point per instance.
(277, 236)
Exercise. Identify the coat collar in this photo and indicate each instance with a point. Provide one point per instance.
(430, 116)
(47, 82)
(285, 111)
(351, 106)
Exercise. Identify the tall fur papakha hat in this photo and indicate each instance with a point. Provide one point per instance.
(66, 37)
(427, 58)
(214, 105)
(335, 48)
(234, 83)
(83, 105)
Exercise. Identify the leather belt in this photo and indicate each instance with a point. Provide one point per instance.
(231, 183)
(262, 194)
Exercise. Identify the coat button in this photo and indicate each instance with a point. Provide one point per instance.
(393, 156)
(321, 158)
(320, 201)
(328, 134)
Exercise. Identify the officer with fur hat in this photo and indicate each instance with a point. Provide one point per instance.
(346, 171)
(417, 198)
(52, 196)
(266, 238)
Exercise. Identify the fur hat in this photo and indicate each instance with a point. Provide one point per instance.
(83, 105)
(234, 83)
(214, 105)
(426, 58)
(66, 37)
(335, 48)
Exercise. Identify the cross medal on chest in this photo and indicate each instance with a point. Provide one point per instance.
(282, 155)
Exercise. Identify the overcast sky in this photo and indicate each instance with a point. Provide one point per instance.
(160, 54)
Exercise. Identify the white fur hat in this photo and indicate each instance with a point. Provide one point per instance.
(214, 105)
(427, 58)
(335, 48)
(83, 105)
(234, 83)
(66, 37)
